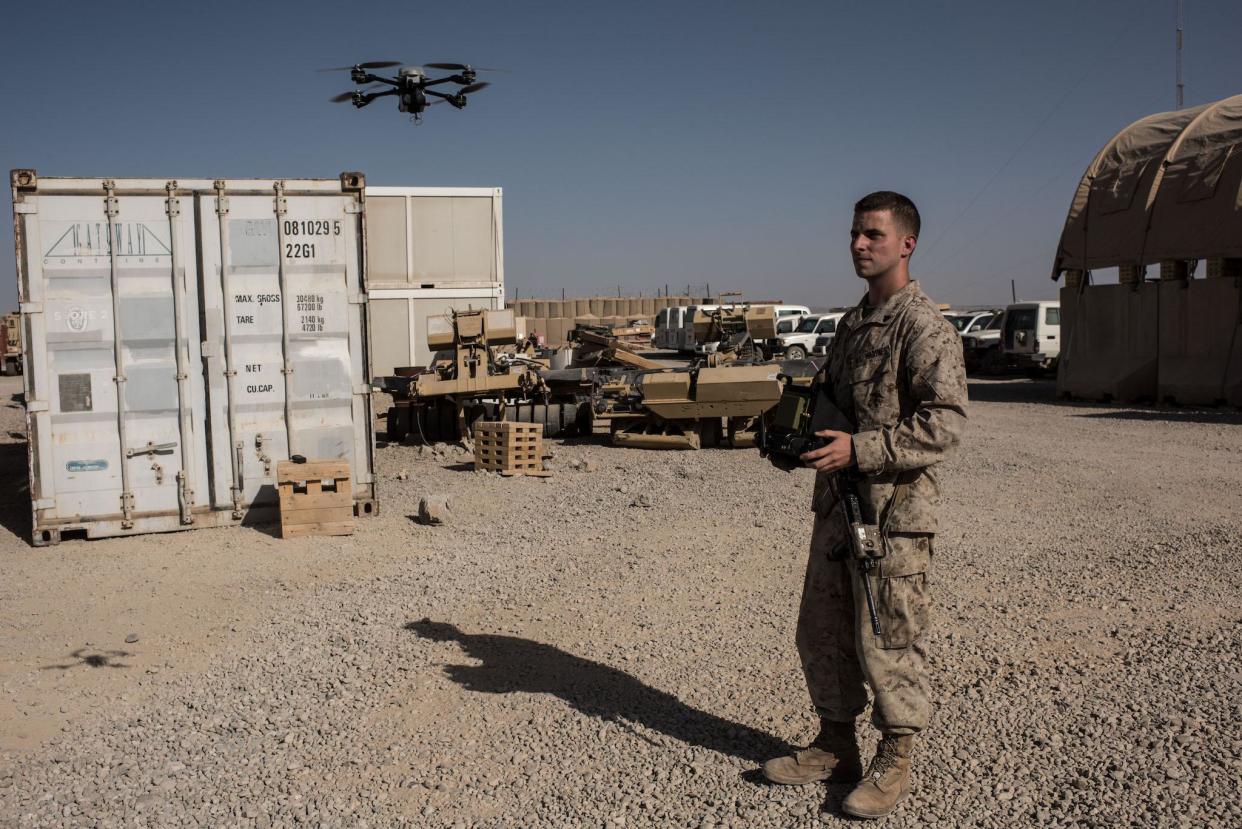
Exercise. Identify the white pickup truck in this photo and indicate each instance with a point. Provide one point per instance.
(800, 343)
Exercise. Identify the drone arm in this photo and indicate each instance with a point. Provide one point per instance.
(371, 96)
(369, 78)
(449, 79)
(438, 94)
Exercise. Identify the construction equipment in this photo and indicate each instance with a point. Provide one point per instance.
(599, 346)
(636, 333)
(481, 369)
(728, 333)
(674, 408)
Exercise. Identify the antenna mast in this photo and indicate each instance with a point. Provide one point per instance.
(1180, 85)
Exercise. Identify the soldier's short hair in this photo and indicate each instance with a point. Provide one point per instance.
(904, 212)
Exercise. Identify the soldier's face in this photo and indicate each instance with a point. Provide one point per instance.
(878, 244)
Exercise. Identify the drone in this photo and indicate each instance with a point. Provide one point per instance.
(410, 85)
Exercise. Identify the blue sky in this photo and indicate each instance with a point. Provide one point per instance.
(641, 143)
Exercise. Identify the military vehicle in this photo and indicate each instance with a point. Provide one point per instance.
(481, 369)
(11, 344)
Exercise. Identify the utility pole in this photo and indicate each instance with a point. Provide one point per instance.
(1180, 86)
(1013, 290)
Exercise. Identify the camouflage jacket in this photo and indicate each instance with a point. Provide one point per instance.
(896, 373)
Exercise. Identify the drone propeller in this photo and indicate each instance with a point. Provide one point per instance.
(346, 96)
(372, 64)
(474, 87)
(463, 67)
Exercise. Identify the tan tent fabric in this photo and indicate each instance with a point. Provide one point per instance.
(1108, 217)
(1197, 212)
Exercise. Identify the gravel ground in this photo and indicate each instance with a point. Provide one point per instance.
(613, 646)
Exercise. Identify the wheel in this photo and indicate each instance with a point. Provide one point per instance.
(398, 426)
(710, 432)
(795, 352)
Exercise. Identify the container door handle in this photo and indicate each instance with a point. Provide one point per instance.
(152, 449)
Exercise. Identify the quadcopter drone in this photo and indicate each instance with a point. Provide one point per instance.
(410, 86)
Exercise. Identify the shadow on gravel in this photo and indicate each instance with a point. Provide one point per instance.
(15, 500)
(1228, 417)
(1017, 390)
(1045, 391)
(96, 659)
(515, 665)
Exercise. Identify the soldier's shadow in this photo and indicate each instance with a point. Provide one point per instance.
(515, 665)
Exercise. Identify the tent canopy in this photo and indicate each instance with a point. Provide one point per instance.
(1169, 186)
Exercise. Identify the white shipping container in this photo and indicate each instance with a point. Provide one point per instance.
(161, 388)
(430, 250)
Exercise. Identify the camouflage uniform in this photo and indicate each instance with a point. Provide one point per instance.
(896, 372)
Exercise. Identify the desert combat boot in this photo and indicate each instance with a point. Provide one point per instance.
(833, 756)
(887, 782)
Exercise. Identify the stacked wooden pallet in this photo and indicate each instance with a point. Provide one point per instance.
(509, 448)
(316, 498)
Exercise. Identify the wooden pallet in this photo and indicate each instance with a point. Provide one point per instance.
(316, 498)
(508, 448)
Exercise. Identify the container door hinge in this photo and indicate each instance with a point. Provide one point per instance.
(281, 204)
(37, 406)
(357, 299)
(362, 388)
(209, 349)
(172, 205)
(45, 503)
(31, 308)
(222, 201)
(25, 207)
(111, 206)
(354, 207)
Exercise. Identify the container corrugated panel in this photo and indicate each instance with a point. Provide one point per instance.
(161, 388)
(429, 250)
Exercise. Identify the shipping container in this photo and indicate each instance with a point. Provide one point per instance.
(430, 250)
(181, 338)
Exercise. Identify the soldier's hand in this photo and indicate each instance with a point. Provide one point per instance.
(838, 454)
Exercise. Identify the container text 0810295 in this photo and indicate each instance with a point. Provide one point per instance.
(183, 336)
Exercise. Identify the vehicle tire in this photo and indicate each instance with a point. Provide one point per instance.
(396, 426)
(795, 352)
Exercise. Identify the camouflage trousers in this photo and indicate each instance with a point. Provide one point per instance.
(841, 655)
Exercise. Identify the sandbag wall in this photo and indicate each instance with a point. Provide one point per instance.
(1177, 341)
(555, 318)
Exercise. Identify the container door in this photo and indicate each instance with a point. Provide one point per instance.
(285, 327)
(118, 285)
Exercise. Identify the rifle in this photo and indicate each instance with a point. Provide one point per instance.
(789, 432)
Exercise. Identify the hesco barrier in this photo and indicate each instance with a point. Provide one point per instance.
(162, 388)
(1176, 341)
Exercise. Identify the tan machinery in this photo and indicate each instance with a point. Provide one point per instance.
(595, 346)
(695, 407)
(11, 340)
(636, 333)
(736, 329)
(481, 369)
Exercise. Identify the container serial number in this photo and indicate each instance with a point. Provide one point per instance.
(312, 227)
(299, 250)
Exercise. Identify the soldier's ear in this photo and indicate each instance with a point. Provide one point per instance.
(908, 244)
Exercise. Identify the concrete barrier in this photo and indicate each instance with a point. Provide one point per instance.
(1108, 343)
(1199, 334)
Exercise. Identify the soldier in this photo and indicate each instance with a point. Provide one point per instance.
(895, 370)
